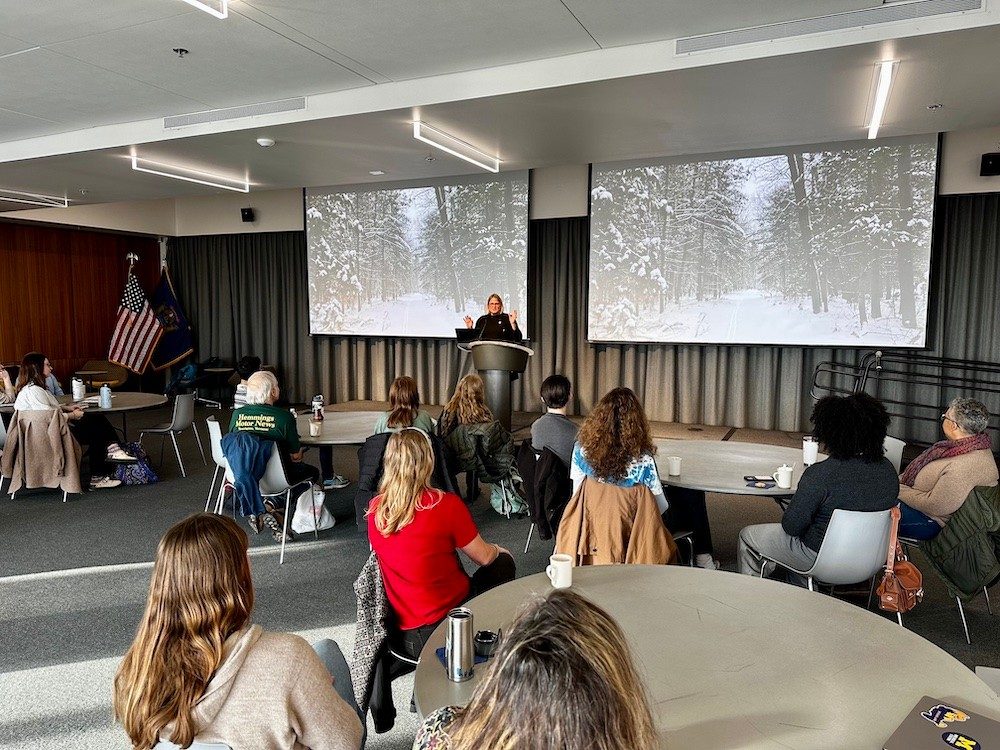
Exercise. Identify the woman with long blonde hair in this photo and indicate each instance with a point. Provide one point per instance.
(414, 531)
(404, 408)
(615, 446)
(199, 670)
(562, 679)
(477, 443)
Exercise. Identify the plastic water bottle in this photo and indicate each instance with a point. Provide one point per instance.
(317, 408)
(79, 391)
(105, 400)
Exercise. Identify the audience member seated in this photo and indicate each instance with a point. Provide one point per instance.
(199, 670)
(52, 384)
(246, 367)
(615, 446)
(562, 679)
(856, 476)
(262, 418)
(476, 441)
(936, 483)
(7, 394)
(554, 430)
(404, 408)
(371, 458)
(92, 430)
(414, 531)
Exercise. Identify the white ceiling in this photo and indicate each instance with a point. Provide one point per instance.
(101, 62)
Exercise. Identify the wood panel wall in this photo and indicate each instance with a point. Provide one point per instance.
(60, 289)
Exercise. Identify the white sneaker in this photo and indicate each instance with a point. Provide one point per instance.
(335, 482)
(705, 561)
(103, 483)
(117, 456)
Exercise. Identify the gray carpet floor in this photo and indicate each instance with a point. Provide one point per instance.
(74, 577)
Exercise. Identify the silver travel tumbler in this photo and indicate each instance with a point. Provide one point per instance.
(459, 650)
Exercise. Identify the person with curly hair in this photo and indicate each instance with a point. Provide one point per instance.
(562, 679)
(615, 446)
(855, 476)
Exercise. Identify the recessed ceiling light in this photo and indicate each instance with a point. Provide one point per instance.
(454, 146)
(265, 142)
(32, 199)
(376, 173)
(190, 175)
(883, 83)
(217, 8)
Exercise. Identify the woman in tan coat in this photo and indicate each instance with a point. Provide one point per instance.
(199, 670)
(936, 483)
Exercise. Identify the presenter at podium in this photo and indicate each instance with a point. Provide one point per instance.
(496, 325)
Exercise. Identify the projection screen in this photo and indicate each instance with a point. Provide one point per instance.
(410, 259)
(818, 246)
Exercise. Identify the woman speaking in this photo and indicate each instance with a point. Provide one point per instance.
(496, 325)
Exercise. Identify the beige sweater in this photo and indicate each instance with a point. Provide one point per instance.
(942, 486)
(273, 693)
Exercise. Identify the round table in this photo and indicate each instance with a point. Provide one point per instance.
(713, 466)
(122, 402)
(88, 376)
(734, 661)
(339, 427)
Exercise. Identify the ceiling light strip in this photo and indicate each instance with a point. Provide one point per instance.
(222, 12)
(32, 199)
(883, 83)
(451, 145)
(218, 181)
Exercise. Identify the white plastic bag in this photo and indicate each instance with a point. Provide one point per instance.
(310, 512)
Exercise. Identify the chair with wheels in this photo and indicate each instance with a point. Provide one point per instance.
(183, 419)
(853, 550)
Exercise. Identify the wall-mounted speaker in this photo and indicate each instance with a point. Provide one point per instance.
(246, 214)
(990, 166)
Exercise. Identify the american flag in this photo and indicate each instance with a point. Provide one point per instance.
(136, 331)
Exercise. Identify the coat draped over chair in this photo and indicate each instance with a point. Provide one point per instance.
(41, 452)
(605, 525)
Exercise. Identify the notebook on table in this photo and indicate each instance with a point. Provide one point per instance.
(938, 725)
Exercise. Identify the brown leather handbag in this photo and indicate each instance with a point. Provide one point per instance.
(902, 586)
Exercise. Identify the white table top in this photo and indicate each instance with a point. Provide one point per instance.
(734, 661)
(339, 427)
(120, 401)
(715, 466)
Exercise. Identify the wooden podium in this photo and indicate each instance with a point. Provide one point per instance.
(496, 361)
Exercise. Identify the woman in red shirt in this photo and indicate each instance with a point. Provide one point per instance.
(415, 531)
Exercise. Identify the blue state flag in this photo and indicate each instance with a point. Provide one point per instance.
(177, 341)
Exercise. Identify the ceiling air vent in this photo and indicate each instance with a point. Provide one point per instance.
(234, 113)
(906, 11)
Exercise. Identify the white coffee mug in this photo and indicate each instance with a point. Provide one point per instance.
(674, 466)
(315, 429)
(783, 476)
(560, 571)
(810, 450)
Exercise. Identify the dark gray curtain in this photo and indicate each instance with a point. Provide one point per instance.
(248, 294)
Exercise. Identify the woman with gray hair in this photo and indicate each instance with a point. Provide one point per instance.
(936, 483)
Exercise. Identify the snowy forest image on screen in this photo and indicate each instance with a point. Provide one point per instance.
(414, 261)
(812, 246)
